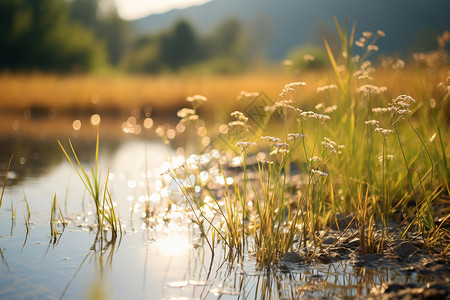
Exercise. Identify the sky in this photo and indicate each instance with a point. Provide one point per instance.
(135, 9)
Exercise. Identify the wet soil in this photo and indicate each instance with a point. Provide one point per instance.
(407, 256)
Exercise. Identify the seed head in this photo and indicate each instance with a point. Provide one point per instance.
(374, 123)
(367, 34)
(368, 89)
(245, 146)
(239, 116)
(311, 114)
(320, 173)
(403, 99)
(271, 139)
(372, 48)
(388, 157)
(281, 145)
(197, 99)
(330, 109)
(247, 95)
(185, 112)
(399, 64)
(295, 136)
(326, 88)
(383, 131)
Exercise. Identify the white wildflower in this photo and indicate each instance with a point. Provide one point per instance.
(367, 34)
(326, 88)
(247, 95)
(197, 99)
(245, 146)
(271, 139)
(320, 173)
(374, 123)
(381, 33)
(185, 112)
(368, 89)
(330, 109)
(239, 116)
(372, 48)
(399, 64)
(295, 136)
(388, 158)
(383, 131)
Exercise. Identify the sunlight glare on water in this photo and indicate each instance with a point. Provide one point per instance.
(173, 245)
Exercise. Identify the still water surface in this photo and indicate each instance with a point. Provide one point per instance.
(162, 260)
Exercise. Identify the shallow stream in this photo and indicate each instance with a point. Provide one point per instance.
(162, 259)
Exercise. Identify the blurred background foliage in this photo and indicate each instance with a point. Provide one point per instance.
(89, 36)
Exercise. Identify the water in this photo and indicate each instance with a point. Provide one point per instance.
(164, 259)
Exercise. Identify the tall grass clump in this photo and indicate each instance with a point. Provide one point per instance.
(364, 153)
(56, 217)
(107, 218)
(394, 166)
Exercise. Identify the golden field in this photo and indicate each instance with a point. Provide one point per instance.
(168, 92)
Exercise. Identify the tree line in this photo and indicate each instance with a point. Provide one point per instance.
(87, 35)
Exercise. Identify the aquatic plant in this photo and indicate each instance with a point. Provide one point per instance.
(6, 178)
(107, 218)
(54, 220)
(369, 181)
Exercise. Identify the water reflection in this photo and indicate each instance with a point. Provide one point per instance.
(162, 255)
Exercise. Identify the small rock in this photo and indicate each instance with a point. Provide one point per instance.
(435, 294)
(292, 257)
(324, 258)
(405, 249)
(407, 271)
(329, 240)
(353, 244)
(392, 287)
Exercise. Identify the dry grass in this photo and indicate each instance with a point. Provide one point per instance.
(165, 92)
(21, 91)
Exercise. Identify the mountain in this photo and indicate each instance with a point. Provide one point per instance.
(410, 25)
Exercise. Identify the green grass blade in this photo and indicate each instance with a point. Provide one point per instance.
(6, 177)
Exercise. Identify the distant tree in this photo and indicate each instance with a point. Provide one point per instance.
(84, 12)
(101, 17)
(36, 35)
(178, 46)
(144, 55)
(225, 40)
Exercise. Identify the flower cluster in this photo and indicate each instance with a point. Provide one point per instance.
(271, 139)
(239, 116)
(245, 146)
(187, 115)
(326, 88)
(243, 95)
(388, 158)
(196, 100)
(284, 105)
(290, 88)
(399, 64)
(374, 123)
(365, 71)
(372, 48)
(369, 89)
(240, 120)
(311, 114)
(399, 106)
(295, 136)
(320, 173)
(383, 131)
(280, 148)
(331, 145)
